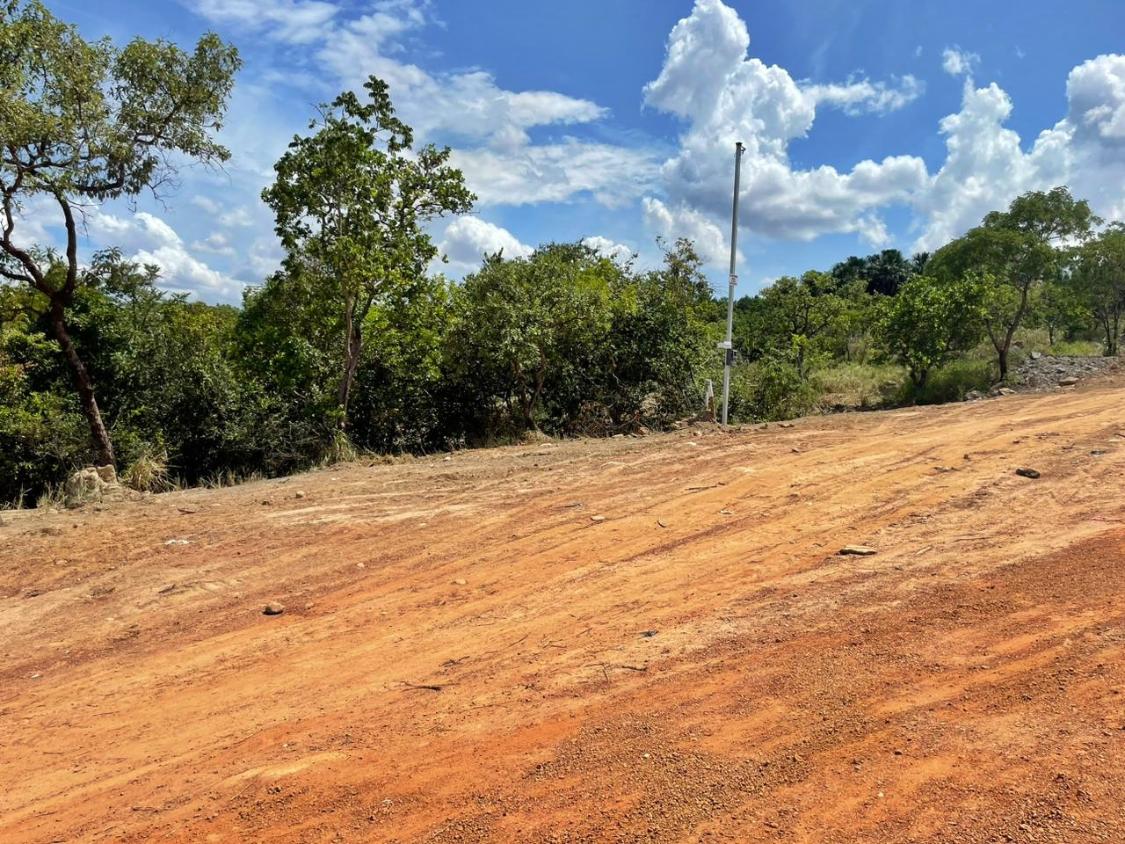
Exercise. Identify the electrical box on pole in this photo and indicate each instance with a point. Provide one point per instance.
(728, 345)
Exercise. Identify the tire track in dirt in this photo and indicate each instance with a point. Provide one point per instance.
(769, 681)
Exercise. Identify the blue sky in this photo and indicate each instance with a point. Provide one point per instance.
(868, 124)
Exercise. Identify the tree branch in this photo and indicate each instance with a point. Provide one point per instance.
(14, 276)
(21, 255)
(71, 249)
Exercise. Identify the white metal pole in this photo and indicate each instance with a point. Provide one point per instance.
(728, 346)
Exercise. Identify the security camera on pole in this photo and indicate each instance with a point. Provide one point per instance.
(728, 345)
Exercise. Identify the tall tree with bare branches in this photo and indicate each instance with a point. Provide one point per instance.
(83, 122)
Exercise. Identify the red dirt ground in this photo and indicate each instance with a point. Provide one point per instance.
(467, 654)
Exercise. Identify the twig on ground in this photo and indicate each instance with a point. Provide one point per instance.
(431, 687)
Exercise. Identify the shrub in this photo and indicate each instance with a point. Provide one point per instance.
(769, 389)
(951, 382)
(1080, 348)
(858, 384)
(148, 472)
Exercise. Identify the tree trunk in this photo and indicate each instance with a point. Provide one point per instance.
(1002, 350)
(533, 400)
(103, 447)
(352, 346)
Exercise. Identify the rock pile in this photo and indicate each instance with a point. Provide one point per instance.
(1040, 372)
(92, 485)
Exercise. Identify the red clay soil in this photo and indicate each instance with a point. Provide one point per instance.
(622, 640)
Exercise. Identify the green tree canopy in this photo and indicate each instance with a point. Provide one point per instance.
(1099, 279)
(1017, 250)
(801, 313)
(883, 272)
(352, 201)
(524, 325)
(929, 321)
(84, 122)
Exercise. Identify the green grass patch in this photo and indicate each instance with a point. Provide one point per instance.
(858, 384)
(951, 383)
(1088, 348)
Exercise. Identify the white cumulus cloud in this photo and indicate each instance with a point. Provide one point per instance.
(986, 164)
(857, 96)
(467, 240)
(619, 252)
(685, 221)
(292, 21)
(724, 95)
(958, 62)
(147, 239)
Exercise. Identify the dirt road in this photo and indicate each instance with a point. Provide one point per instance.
(623, 640)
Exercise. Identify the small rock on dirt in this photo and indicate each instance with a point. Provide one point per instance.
(597, 518)
(1069, 381)
(273, 608)
(460, 581)
(857, 551)
(1024, 472)
(299, 494)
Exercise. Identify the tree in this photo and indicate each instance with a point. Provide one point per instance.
(85, 122)
(883, 272)
(353, 200)
(650, 362)
(287, 339)
(167, 375)
(1018, 251)
(799, 312)
(918, 262)
(1062, 307)
(929, 321)
(1100, 281)
(526, 328)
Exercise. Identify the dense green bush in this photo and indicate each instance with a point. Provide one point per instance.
(951, 382)
(769, 389)
(568, 341)
(351, 347)
(564, 341)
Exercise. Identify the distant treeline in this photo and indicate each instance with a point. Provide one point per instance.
(353, 346)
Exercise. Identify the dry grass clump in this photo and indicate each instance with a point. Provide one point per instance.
(148, 473)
